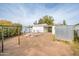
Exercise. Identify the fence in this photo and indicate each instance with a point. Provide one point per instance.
(64, 32)
(10, 31)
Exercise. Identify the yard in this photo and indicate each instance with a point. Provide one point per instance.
(36, 44)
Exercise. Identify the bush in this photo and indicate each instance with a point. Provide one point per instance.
(76, 37)
(10, 30)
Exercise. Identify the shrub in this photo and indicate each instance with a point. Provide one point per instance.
(10, 30)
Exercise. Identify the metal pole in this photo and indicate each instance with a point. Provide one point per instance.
(2, 39)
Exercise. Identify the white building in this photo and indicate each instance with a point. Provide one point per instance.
(40, 28)
(53, 30)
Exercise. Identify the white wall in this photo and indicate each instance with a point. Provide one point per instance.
(38, 29)
(53, 30)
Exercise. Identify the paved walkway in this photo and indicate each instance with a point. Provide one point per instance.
(41, 44)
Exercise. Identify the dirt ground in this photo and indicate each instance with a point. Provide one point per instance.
(40, 44)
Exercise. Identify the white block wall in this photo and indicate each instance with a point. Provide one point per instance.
(38, 29)
(53, 30)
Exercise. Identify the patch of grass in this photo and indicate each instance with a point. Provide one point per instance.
(53, 38)
(66, 42)
(75, 48)
(63, 41)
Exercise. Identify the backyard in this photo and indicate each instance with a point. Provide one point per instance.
(36, 44)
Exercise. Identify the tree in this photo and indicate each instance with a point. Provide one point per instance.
(35, 23)
(46, 20)
(77, 24)
(64, 22)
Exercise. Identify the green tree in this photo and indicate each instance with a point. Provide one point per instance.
(76, 24)
(41, 21)
(46, 20)
(35, 23)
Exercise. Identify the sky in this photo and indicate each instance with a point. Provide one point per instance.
(28, 13)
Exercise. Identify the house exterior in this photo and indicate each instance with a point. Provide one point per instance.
(39, 28)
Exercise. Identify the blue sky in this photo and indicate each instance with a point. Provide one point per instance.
(26, 14)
